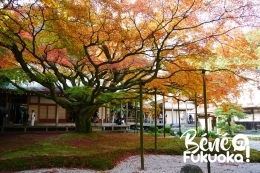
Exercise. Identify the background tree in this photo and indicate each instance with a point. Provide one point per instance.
(226, 112)
(93, 52)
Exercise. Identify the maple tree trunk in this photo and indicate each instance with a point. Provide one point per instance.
(83, 123)
(229, 125)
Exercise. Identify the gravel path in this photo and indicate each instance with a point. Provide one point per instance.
(162, 164)
(255, 145)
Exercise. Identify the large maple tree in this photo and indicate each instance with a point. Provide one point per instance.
(72, 46)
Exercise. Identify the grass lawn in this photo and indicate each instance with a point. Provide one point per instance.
(99, 151)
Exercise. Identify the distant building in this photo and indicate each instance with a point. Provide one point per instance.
(250, 100)
(17, 104)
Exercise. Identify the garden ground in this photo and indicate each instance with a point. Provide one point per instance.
(112, 153)
(160, 164)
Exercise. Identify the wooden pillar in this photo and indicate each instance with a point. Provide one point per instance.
(126, 110)
(102, 115)
(57, 114)
(37, 117)
(253, 125)
(106, 115)
(121, 110)
(7, 108)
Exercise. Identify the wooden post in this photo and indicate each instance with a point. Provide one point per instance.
(205, 110)
(155, 120)
(141, 127)
(126, 111)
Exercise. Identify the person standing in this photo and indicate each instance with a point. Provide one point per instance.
(32, 118)
(190, 119)
(96, 117)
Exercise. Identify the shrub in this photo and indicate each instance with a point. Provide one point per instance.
(167, 129)
(238, 128)
(160, 130)
(153, 128)
(200, 132)
(172, 132)
(191, 168)
(224, 128)
(179, 133)
(213, 134)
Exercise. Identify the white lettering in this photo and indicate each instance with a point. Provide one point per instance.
(239, 142)
(242, 143)
(203, 158)
(185, 155)
(188, 141)
(214, 160)
(223, 158)
(223, 142)
(238, 158)
(230, 157)
(203, 144)
(193, 158)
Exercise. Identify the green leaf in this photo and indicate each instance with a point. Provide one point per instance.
(79, 92)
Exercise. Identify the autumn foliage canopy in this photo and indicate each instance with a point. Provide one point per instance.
(95, 51)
